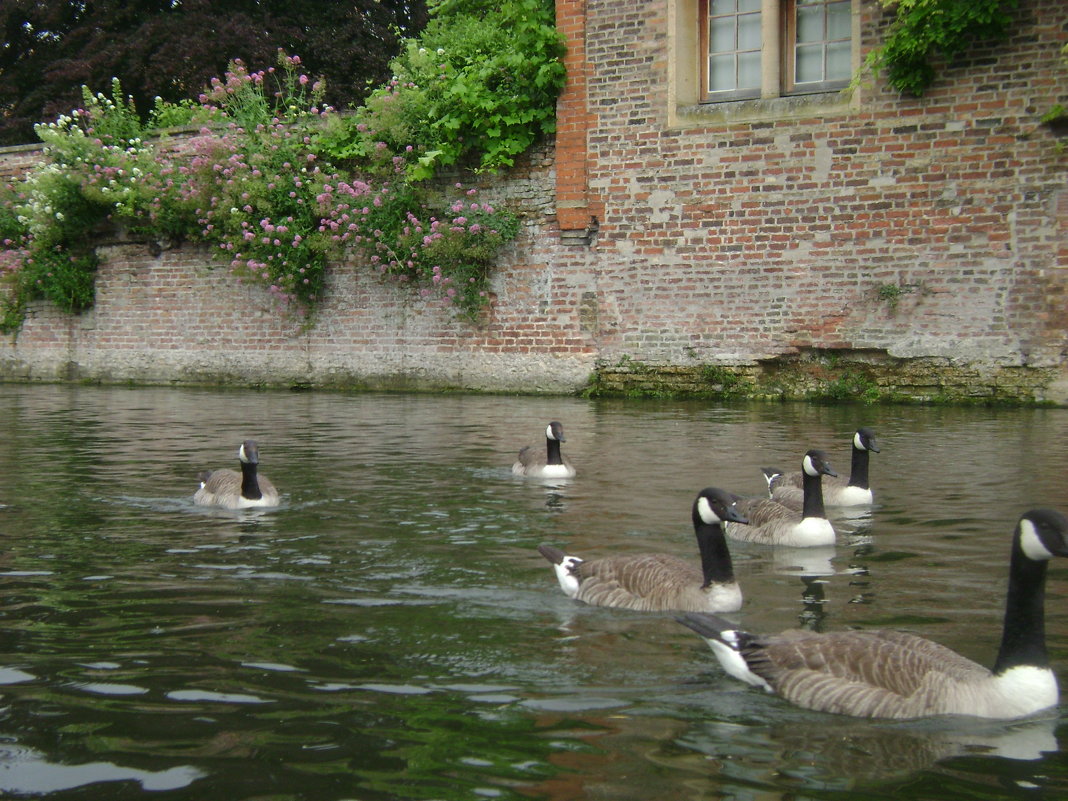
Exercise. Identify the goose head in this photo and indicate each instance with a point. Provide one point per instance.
(1043, 534)
(864, 440)
(248, 453)
(714, 506)
(816, 464)
(555, 431)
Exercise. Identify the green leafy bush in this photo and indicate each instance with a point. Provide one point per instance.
(478, 87)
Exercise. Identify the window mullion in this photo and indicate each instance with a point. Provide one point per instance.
(770, 48)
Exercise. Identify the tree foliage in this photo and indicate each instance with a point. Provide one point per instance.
(477, 88)
(171, 48)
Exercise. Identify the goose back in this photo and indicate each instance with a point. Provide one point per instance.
(881, 674)
(223, 488)
(652, 582)
(875, 674)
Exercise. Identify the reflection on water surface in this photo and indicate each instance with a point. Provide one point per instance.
(390, 631)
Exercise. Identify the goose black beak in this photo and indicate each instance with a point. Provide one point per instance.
(736, 517)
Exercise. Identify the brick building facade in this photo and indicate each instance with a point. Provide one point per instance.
(682, 237)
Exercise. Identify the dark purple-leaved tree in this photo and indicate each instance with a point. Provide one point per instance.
(172, 48)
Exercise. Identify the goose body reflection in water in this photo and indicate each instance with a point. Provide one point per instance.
(850, 754)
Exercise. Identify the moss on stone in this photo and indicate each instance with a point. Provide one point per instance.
(827, 376)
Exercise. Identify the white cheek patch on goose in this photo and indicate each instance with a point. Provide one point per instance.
(858, 442)
(704, 509)
(549, 432)
(809, 467)
(241, 454)
(1031, 543)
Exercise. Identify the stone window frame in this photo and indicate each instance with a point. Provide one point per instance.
(687, 105)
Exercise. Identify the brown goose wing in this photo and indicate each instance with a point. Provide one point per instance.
(267, 489)
(761, 511)
(223, 481)
(865, 673)
(643, 581)
(793, 497)
(530, 456)
(217, 484)
(796, 480)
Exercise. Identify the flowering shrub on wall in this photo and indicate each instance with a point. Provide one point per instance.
(261, 185)
(47, 222)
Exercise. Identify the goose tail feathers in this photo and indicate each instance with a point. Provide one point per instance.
(565, 567)
(728, 644)
(770, 474)
(711, 627)
(552, 553)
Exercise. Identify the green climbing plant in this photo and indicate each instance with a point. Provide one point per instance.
(925, 31)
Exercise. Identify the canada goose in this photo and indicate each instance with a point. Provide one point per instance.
(233, 490)
(657, 581)
(788, 488)
(548, 463)
(888, 674)
(773, 523)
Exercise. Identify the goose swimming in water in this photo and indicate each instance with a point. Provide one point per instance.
(233, 490)
(658, 581)
(773, 523)
(548, 463)
(788, 488)
(890, 674)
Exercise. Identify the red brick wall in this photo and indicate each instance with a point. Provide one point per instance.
(16, 160)
(718, 242)
(176, 317)
(746, 240)
(574, 123)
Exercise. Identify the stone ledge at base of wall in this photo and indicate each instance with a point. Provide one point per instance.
(455, 371)
(841, 378)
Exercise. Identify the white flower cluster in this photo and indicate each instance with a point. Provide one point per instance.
(38, 213)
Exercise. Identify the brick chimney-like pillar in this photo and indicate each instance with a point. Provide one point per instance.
(575, 214)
